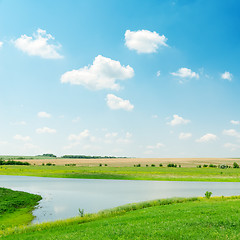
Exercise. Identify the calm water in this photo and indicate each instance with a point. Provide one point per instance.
(63, 197)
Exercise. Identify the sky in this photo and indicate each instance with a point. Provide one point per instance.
(120, 78)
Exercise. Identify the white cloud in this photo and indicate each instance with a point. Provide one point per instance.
(158, 73)
(77, 139)
(111, 135)
(3, 142)
(157, 146)
(232, 133)
(144, 41)
(125, 139)
(177, 120)
(207, 137)
(19, 123)
(227, 75)
(155, 116)
(77, 119)
(185, 73)
(80, 136)
(235, 122)
(231, 146)
(22, 138)
(1, 43)
(183, 136)
(30, 146)
(44, 115)
(102, 74)
(45, 130)
(38, 45)
(115, 102)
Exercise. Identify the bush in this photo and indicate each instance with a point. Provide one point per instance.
(43, 164)
(12, 162)
(208, 194)
(205, 165)
(172, 165)
(179, 165)
(160, 165)
(100, 165)
(153, 165)
(48, 164)
(235, 165)
(223, 166)
(105, 165)
(138, 165)
(81, 212)
(212, 165)
(146, 165)
(199, 166)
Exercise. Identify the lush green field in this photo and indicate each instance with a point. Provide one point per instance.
(16, 207)
(131, 173)
(195, 218)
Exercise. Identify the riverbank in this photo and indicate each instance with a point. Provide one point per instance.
(156, 173)
(16, 207)
(185, 218)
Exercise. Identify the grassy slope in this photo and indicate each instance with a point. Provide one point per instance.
(216, 218)
(16, 207)
(131, 173)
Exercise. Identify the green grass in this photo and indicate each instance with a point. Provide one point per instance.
(16, 207)
(130, 173)
(194, 218)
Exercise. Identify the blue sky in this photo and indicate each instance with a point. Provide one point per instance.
(122, 78)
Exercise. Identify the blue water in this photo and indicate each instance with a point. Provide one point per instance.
(62, 197)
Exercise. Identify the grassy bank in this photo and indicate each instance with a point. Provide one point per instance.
(16, 207)
(192, 218)
(130, 173)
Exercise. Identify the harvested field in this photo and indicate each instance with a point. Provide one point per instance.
(127, 162)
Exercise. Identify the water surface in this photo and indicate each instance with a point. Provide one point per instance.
(62, 197)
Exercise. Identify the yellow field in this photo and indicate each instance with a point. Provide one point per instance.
(126, 162)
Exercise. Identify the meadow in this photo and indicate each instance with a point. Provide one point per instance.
(183, 218)
(16, 207)
(157, 173)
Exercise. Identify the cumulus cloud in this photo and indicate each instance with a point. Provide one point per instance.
(76, 119)
(156, 146)
(45, 130)
(38, 45)
(21, 138)
(1, 43)
(227, 76)
(19, 123)
(207, 137)
(185, 73)
(232, 133)
(235, 122)
(115, 103)
(78, 137)
(231, 146)
(102, 74)
(144, 41)
(158, 73)
(44, 115)
(111, 135)
(184, 136)
(30, 146)
(177, 120)
(125, 139)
